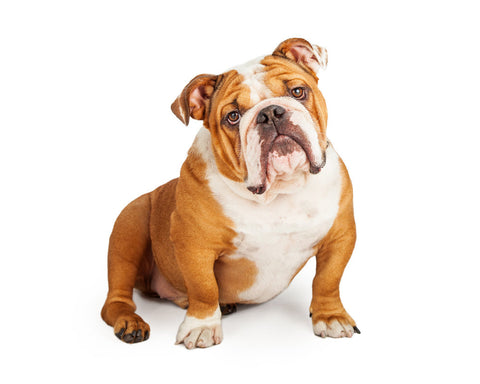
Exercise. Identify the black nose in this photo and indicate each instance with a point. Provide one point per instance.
(270, 114)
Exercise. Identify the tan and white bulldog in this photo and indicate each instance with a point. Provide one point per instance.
(262, 191)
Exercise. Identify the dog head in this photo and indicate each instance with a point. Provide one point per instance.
(267, 118)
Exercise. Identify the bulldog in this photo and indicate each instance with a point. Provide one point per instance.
(261, 192)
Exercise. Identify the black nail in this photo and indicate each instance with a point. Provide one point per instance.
(138, 337)
(120, 333)
(129, 337)
(147, 335)
(356, 330)
(310, 314)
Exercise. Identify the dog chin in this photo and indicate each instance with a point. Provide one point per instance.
(287, 167)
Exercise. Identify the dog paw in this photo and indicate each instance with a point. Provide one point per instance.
(201, 333)
(131, 328)
(334, 326)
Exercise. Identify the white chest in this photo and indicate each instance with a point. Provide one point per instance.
(279, 236)
(278, 255)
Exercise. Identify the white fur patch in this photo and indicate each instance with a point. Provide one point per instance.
(278, 233)
(252, 150)
(253, 76)
(321, 55)
(334, 329)
(192, 328)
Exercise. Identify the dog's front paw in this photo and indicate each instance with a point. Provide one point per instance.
(335, 326)
(202, 333)
(131, 328)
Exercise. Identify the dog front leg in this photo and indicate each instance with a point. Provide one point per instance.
(202, 325)
(329, 317)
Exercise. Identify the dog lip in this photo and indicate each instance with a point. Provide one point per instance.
(316, 168)
(284, 133)
(257, 190)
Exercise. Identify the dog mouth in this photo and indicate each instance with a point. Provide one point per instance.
(284, 155)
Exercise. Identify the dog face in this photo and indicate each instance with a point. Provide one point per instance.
(267, 119)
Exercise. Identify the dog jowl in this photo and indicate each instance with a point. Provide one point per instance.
(261, 191)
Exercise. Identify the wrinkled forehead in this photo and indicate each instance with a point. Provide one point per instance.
(243, 85)
(252, 74)
(259, 79)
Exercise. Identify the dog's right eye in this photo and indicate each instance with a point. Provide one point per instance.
(233, 117)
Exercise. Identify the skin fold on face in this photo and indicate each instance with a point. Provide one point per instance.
(267, 121)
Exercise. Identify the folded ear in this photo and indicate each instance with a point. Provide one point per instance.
(301, 51)
(194, 98)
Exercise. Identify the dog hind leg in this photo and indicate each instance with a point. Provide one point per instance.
(128, 250)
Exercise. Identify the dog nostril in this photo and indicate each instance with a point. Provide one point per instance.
(262, 118)
(278, 111)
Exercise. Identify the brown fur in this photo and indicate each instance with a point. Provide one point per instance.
(226, 142)
(333, 254)
(200, 234)
(179, 225)
(129, 247)
(233, 277)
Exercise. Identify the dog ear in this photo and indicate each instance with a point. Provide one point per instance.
(194, 98)
(301, 51)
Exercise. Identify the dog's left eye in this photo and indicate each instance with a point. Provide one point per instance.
(233, 117)
(298, 93)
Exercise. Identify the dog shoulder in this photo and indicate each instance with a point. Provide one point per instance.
(198, 220)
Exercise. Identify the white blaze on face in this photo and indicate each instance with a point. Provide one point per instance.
(252, 151)
(253, 77)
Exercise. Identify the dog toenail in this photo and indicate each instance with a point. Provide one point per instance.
(128, 338)
(120, 333)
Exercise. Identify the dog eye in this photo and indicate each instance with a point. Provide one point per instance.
(233, 117)
(298, 93)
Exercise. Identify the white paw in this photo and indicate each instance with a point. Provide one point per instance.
(333, 328)
(201, 333)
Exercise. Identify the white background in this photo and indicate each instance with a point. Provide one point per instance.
(86, 126)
